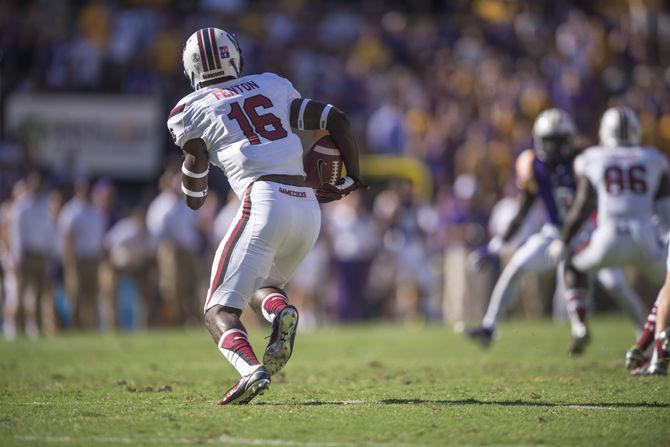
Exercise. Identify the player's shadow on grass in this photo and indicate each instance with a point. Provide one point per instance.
(524, 403)
(502, 403)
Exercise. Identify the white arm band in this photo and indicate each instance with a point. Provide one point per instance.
(301, 114)
(323, 120)
(196, 194)
(192, 174)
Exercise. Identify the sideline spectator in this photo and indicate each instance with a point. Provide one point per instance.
(33, 246)
(8, 263)
(81, 227)
(180, 243)
(355, 241)
(132, 252)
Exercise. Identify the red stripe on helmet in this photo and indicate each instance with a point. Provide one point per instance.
(215, 48)
(201, 47)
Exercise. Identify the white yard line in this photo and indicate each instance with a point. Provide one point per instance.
(336, 402)
(483, 403)
(598, 407)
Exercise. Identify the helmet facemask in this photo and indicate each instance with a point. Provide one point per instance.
(235, 42)
(554, 148)
(553, 135)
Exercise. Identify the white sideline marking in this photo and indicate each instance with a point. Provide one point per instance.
(336, 402)
(598, 407)
(458, 403)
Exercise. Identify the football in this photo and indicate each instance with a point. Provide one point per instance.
(323, 163)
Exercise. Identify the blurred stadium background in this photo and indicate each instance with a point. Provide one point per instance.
(442, 96)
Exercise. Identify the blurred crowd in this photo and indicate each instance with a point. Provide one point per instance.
(455, 84)
(74, 256)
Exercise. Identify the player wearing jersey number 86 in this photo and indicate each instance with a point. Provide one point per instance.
(244, 125)
(626, 184)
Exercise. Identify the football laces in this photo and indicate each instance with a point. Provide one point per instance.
(334, 171)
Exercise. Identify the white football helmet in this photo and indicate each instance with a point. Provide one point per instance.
(211, 54)
(619, 126)
(553, 134)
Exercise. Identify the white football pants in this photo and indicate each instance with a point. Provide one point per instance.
(274, 229)
(624, 243)
(531, 256)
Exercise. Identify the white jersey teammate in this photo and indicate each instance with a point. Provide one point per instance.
(243, 125)
(627, 184)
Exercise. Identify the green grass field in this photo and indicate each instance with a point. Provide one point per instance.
(345, 386)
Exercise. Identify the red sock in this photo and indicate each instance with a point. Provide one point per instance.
(273, 304)
(647, 336)
(576, 307)
(234, 345)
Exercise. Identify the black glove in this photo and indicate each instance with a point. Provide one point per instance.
(328, 193)
(344, 186)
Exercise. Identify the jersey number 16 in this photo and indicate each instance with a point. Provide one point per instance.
(253, 124)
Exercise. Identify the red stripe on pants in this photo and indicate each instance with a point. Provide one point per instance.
(231, 242)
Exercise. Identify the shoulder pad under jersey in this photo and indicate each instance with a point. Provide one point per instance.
(525, 176)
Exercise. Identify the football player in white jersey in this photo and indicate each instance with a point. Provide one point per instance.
(243, 125)
(626, 184)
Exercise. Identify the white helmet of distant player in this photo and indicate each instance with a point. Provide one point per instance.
(619, 126)
(211, 55)
(553, 135)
